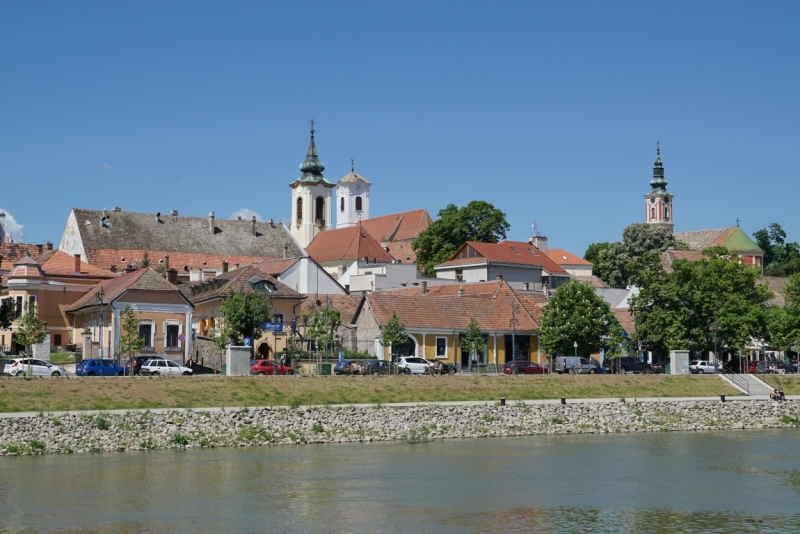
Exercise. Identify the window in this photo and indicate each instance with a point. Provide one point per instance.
(358, 204)
(277, 318)
(459, 274)
(299, 213)
(652, 213)
(32, 303)
(146, 334)
(666, 212)
(341, 205)
(19, 307)
(173, 331)
(441, 347)
(319, 209)
(57, 337)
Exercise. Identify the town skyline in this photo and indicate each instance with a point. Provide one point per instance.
(551, 114)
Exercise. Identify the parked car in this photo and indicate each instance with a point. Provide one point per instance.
(269, 367)
(523, 367)
(412, 365)
(377, 367)
(759, 368)
(99, 367)
(658, 368)
(139, 360)
(348, 367)
(574, 365)
(19, 367)
(702, 367)
(629, 364)
(162, 367)
(444, 368)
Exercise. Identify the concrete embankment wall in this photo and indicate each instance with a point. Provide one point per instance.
(78, 433)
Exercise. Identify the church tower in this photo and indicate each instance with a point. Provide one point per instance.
(352, 199)
(312, 196)
(658, 203)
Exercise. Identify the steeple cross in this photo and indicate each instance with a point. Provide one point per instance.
(352, 165)
(737, 222)
(658, 147)
(311, 122)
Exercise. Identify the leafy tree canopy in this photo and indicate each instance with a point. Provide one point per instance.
(322, 325)
(575, 313)
(7, 313)
(31, 330)
(473, 338)
(697, 303)
(592, 254)
(243, 313)
(394, 333)
(613, 263)
(477, 221)
(780, 258)
(784, 321)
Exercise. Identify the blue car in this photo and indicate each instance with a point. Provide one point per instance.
(98, 367)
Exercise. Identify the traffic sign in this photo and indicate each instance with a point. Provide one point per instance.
(272, 327)
(181, 338)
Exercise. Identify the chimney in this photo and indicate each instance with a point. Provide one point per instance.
(271, 224)
(239, 218)
(499, 276)
(461, 292)
(77, 263)
(224, 266)
(424, 287)
(253, 226)
(40, 248)
(235, 266)
(285, 250)
(366, 259)
(166, 261)
(117, 209)
(539, 241)
(211, 223)
(48, 246)
(172, 276)
(113, 268)
(174, 213)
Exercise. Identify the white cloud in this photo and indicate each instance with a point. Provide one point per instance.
(246, 214)
(13, 228)
(106, 167)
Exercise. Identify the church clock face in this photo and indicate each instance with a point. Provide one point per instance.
(358, 187)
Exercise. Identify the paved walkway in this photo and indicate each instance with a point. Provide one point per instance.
(16, 415)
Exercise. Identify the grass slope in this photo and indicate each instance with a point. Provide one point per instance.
(790, 384)
(19, 395)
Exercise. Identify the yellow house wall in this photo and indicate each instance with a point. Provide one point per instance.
(159, 321)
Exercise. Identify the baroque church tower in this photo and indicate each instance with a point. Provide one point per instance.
(352, 199)
(312, 197)
(658, 203)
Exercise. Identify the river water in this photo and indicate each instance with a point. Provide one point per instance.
(735, 481)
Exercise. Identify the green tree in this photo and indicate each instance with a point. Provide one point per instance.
(129, 339)
(31, 331)
(613, 263)
(477, 221)
(7, 313)
(145, 262)
(675, 310)
(244, 313)
(575, 313)
(322, 326)
(784, 321)
(473, 339)
(394, 333)
(780, 258)
(592, 254)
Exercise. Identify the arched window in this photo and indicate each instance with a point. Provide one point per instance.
(653, 213)
(358, 204)
(319, 211)
(299, 210)
(666, 212)
(341, 204)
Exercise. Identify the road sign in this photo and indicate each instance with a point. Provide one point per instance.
(181, 338)
(640, 345)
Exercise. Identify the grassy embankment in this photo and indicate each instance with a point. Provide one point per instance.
(790, 384)
(18, 395)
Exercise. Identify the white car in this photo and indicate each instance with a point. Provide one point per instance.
(164, 368)
(703, 367)
(19, 367)
(411, 365)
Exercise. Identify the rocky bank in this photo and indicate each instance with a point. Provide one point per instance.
(79, 433)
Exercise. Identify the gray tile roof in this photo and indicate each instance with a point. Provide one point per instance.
(699, 239)
(141, 231)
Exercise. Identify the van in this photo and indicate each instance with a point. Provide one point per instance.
(574, 365)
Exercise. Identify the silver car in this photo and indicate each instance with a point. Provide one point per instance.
(164, 368)
(24, 366)
(703, 367)
(412, 365)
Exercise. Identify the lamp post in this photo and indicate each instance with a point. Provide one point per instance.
(575, 346)
(99, 298)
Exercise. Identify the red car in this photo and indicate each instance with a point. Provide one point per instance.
(269, 367)
(523, 367)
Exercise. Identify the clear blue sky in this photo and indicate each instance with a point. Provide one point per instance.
(550, 111)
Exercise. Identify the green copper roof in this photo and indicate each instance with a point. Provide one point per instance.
(736, 241)
(312, 167)
(658, 183)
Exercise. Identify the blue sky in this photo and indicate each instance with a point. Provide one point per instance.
(550, 111)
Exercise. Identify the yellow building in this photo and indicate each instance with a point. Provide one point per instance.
(437, 318)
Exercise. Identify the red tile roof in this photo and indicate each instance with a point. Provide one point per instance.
(565, 257)
(11, 253)
(346, 304)
(57, 263)
(182, 261)
(239, 281)
(625, 320)
(593, 281)
(401, 251)
(441, 307)
(142, 279)
(351, 243)
(403, 226)
(516, 252)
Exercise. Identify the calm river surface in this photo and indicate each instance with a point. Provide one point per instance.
(736, 481)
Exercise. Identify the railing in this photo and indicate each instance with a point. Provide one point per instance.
(737, 379)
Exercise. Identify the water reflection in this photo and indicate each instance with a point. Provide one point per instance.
(742, 481)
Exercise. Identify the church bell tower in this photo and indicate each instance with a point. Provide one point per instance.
(658, 203)
(312, 197)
